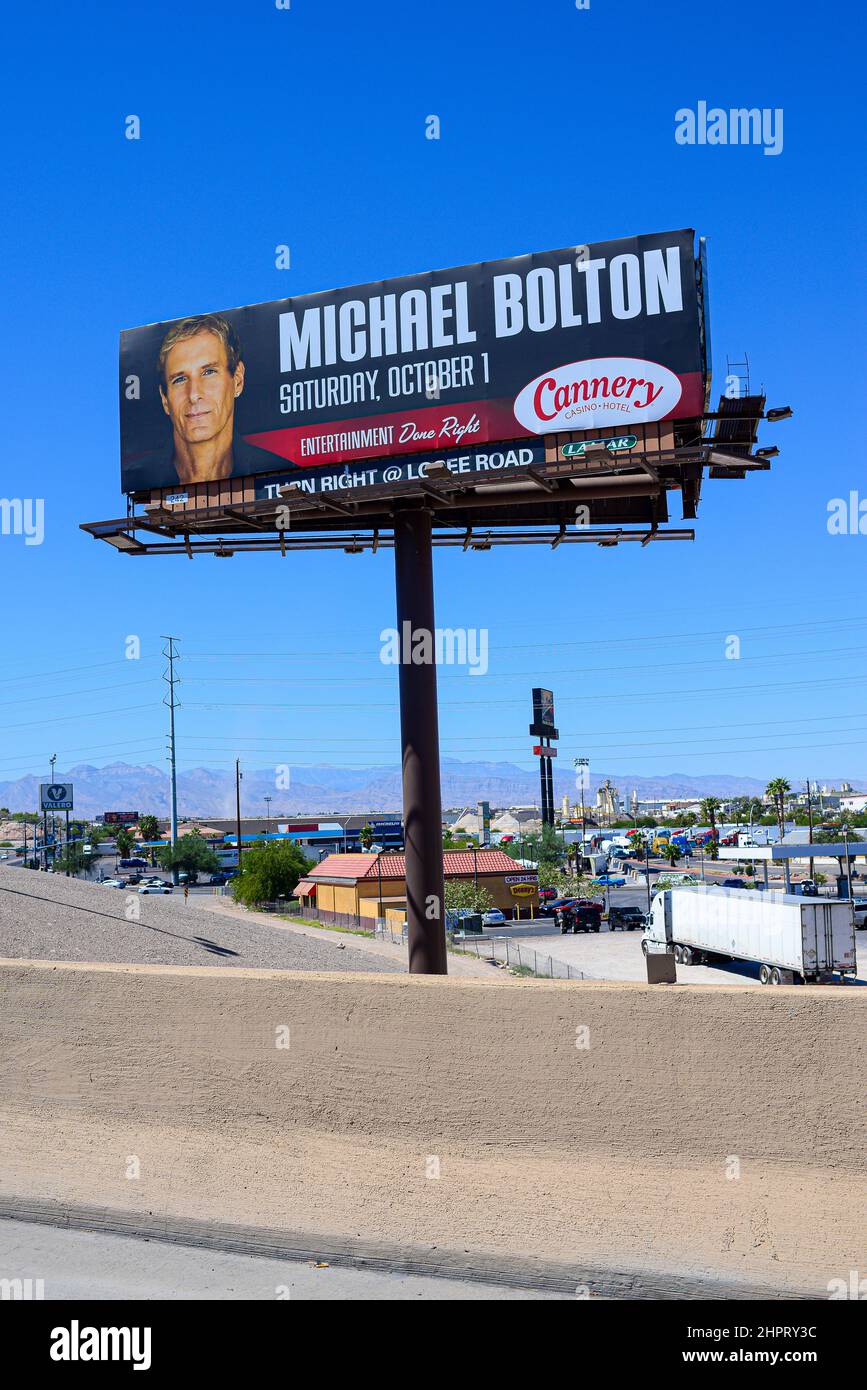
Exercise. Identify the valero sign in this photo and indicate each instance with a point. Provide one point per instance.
(55, 796)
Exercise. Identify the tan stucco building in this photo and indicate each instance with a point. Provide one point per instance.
(373, 885)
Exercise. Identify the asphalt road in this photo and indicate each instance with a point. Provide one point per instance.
(51, 917)
(81, 1265)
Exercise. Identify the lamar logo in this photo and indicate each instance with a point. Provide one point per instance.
(582, 395)
(77, 1343)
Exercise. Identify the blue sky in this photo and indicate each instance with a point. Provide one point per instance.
(307, 127)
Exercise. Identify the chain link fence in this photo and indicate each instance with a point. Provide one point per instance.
(500, 949)
(518, 955)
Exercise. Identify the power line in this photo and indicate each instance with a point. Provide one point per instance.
(65, 718)
(70, 694)
(444, 673)
(563, 699)
(72, 670)
(499, 738)
(655, 640)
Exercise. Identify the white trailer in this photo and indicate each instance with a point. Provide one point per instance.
(791, 939)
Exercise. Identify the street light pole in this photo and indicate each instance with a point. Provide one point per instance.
(267, 800)
(238, 775)
(849, 876)
(647, 870)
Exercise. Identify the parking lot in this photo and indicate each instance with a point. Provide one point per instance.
(608, 955)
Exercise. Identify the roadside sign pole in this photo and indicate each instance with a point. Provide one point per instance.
(419, 731)
(67, 844)
(238, 807)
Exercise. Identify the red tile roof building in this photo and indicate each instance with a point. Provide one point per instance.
(354, 885)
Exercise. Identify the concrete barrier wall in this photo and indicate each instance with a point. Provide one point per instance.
(623, 1068)
(553, 1121)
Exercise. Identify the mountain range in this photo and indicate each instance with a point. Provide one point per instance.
(324, 788)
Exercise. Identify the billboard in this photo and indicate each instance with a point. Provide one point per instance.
(543, 708)
(120, 818)
(605, 335)
(55, 796)
(543, 715)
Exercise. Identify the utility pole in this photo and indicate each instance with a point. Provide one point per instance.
(171, 680)
(238, 775)
(52, 760)
(267, 800)
(810, 819)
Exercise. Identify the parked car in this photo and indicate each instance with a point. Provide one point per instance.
(113, 883)
(553, 905)
(154, 882)
(610, 880)
(152, 888)
(733, 883)
(579, 917)
(493, 918)
(216, 879)
(547, 894)
(573, 906)
(626, 918)
(135, 862)
(859, 911)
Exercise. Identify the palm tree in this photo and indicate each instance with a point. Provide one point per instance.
(709, 807)
(149, 829)
(778, 789)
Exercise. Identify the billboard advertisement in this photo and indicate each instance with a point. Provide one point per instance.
(543, 708)
(120, 818)
(605, 335)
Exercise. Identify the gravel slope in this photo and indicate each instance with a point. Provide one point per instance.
(49, 917)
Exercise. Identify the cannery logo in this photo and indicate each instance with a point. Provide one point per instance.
(582, 395)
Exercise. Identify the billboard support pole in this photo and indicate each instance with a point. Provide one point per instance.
(549, 782)
(419, 731)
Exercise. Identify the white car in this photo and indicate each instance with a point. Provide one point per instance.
(113, 883)
(493, 918)
(152, 888)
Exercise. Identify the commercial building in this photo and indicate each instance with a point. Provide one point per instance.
(315, 836)
(373, 885)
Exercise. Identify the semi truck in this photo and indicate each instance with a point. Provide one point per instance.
(792, 940)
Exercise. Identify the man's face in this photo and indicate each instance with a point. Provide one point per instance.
(199, 394)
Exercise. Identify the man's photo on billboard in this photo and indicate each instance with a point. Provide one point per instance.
(201, 375)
